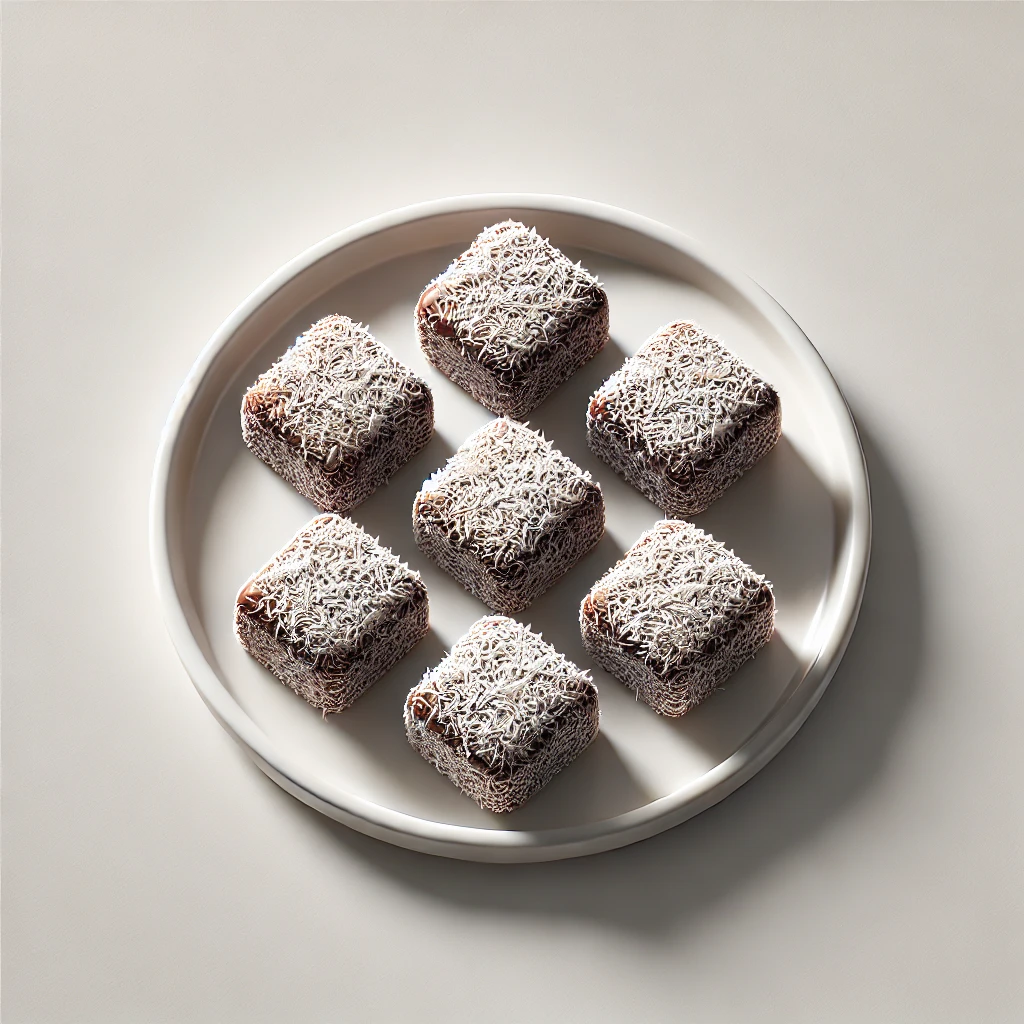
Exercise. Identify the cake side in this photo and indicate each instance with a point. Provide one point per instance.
(502, 795)
(676, 692)
(396, 442)
(334, 687)
(329, 491)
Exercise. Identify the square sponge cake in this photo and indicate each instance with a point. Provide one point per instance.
(683, 419)
(508, 515)
(337, 414)
(676, 616)
(502, 714)
(331, 612)
(511, 319)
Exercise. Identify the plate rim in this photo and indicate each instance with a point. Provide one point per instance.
(502, 845)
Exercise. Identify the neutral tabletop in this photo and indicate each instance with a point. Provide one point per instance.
(863, 162)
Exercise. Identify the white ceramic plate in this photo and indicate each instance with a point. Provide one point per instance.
(802, 517)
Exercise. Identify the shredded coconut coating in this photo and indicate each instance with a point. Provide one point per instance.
(676, 616)
(331, 612)
(508, 515)
(337, 414)
(512, 318)
(502, 713)
(683, 419)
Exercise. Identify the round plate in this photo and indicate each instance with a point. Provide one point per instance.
(801, 517)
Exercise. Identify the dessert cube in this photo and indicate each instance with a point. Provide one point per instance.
(331, 612)
(508, 515)
(502, 714)
(676, 616)
(683, 419)
(511, 319)
(337, 414)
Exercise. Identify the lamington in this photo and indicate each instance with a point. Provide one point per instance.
(331, 612)
(508, 515)
(337, 414)
(683, 419)
(511, 319)
(502, 714)
(676, 616)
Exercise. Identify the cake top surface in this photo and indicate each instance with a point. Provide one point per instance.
(503, 491)
(500, 693)
(329, 589)
(681, 395)
(333, 391)
(674, 594)
(511, 295)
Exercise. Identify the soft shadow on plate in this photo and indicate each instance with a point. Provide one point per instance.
(649, 888)
(562, 418)
(780, 519)
(738, 707)
(387, 513)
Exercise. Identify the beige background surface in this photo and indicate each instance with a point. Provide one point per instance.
(863, 162)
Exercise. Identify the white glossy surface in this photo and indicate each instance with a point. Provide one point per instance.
(801, 517)
(860, 160)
